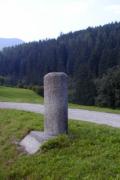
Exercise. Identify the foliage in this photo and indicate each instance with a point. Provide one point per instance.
(39, 90)
(89, 52)
(109, 89)
(2, 80)
(90, 152)
(85, 87)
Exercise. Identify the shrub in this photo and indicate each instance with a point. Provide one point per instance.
(108, 89)
(39, 90)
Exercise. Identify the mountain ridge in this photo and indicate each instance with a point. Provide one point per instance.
(8, 42)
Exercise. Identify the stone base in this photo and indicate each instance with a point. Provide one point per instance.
(32, 142)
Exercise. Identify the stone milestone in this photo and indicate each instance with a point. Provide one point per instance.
(56, 112)
(56, 103)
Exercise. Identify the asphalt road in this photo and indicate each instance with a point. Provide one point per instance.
(76, 114)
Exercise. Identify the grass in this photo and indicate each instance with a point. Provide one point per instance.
(94, 108)
(90, 151)
(9, 94)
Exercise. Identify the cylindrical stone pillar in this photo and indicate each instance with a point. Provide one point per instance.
(56, 103)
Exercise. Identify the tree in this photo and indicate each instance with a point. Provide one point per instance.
(85, 87)
(108, 89)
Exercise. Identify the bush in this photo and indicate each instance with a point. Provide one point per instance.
(20, 85)
(38, 89)
(108, 89)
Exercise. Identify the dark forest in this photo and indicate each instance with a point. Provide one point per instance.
(90, 57)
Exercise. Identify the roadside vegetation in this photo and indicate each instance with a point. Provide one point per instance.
(94, 108)
(89, 151)
(9, 94)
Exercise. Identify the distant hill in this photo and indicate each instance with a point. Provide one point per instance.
(8, 42)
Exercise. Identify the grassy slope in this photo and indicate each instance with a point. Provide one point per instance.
(25, 95)
(19, 95)
(90, 152)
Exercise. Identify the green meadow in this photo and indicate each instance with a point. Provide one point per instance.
(89, 151)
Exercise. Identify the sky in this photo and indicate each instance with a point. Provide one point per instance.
(33, 20)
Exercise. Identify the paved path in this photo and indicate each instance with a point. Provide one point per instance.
(77, 114)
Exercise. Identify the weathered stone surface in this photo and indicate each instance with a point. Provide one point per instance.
(56, 103)
(32, 142)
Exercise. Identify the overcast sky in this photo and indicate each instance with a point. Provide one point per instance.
(40, 19)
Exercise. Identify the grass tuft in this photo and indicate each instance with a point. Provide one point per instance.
(59, 142)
